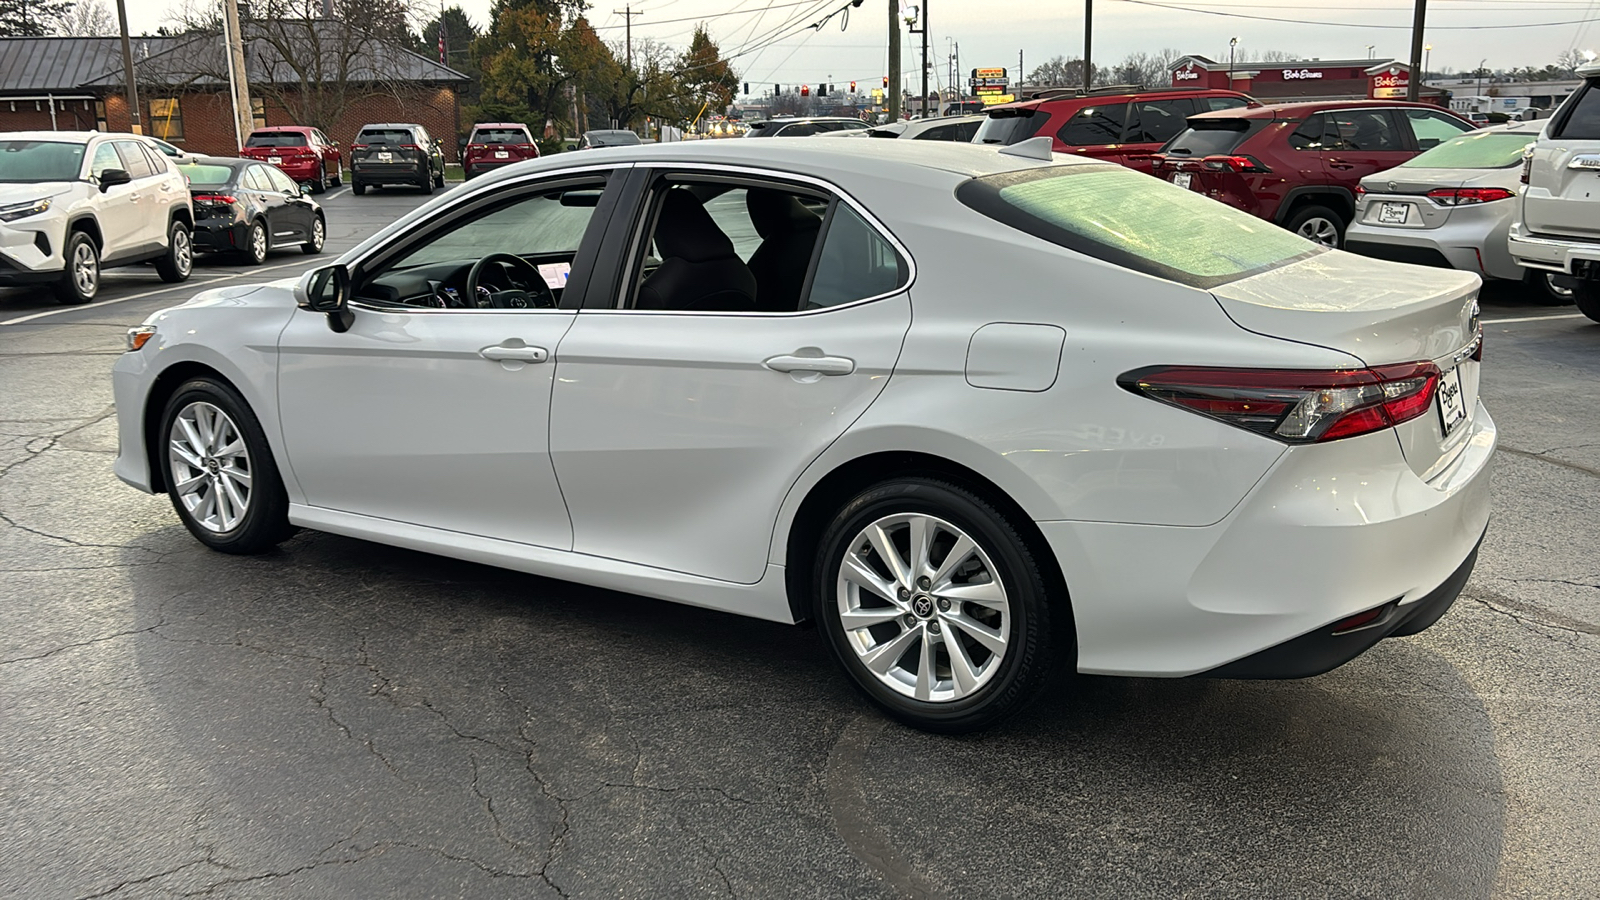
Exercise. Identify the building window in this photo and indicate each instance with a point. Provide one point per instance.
(166, 120)
(100, 116)
(258, 112)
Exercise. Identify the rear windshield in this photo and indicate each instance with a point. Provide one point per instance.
(1211, 137)
(1582, 121)
(1010, 126)
(39, 161)
(385, 136)
(1475, 150)
(1132, 220)
(500, 136)
(613, 138)
(205, 176)
(276, 139)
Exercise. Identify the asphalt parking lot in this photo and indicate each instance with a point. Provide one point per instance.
(342, 719)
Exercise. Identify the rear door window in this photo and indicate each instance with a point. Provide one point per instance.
(134, 160)
(1431, 128)
(1363, 130)
(1582, 121)
(1157, 121)
(1309, 135)
(1094, 125)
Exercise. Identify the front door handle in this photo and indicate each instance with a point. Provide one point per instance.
(521, 354)
(822, 365)
(1340, 164)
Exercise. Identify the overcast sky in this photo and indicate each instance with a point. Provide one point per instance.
(775, 46)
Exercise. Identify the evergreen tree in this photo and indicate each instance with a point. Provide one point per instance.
(32, 18)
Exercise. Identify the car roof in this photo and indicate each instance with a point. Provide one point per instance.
(66, 137)
(390, 125)
(298, 129)
(1101, 94)
(501, 125)
(790, 120)
(232, 162)
(1310, 107)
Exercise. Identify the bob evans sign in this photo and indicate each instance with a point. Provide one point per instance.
(1301, 74)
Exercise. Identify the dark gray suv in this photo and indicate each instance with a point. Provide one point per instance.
(396, 153)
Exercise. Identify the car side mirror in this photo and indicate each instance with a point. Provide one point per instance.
(110, 178)
(327, 290)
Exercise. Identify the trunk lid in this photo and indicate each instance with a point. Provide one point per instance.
(1381, 313)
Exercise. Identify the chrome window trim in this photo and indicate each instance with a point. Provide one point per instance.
(690, 168)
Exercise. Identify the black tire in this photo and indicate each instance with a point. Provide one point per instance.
(70, 290)
(338, 175)
(1035, 638)
(265, 522)
(438, 180)
(1586, 294)
(1309, 218)
(176, 265)
(319, 236)
(357, 187)
(256, 244)
(1547, 288)
(426, 184)
(320, 183)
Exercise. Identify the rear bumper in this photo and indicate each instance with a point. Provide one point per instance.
(1547, 252)
(297, 170)
(1331, 531)
(388, 173)
(1470, 247)
(480, 166)
(218, 235)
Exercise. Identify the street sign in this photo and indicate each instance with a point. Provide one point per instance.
(992, 99)
(988, 73)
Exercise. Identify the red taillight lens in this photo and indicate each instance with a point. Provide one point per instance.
(408, 146)
(1360, 192)
(358, 146)
(1469, 196)
(1240, 164)
(1297, 406)
(216, 198)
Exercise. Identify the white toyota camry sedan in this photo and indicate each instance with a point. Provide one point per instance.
(977, 413)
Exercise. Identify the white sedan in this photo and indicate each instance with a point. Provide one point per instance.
(1149, 435)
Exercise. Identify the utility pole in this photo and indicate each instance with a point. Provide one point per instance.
(924, 24)
(1088, 45)
(629, 13)
(243, 121)
(1414, 82)
(134, 124)
(1021, 72)
(894, 60)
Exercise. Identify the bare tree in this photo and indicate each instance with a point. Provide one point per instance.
(1148, 69)
(87, 18)
(1059, 71)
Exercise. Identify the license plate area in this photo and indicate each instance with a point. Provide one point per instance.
(275, 160)
(502, 154)
(1452, 400)
(385, 157)
(1394, 213)
(1182, 179)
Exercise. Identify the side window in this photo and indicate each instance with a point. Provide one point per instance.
(158, 163)
(1364, 130)
(133, 159)
(856, 262)
(803, 129)
(422, 136)
(731, 211)
(1309, 135)
(256, 179)
(967, 130)
(1157, 121)
(280, 182)
(942, 133)
(1432, 129)
(1582, 122)
(105, 157)
(1208, 104)
(1094, 125)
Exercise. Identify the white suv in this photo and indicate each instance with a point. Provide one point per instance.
(1557, 224)
(72, 202)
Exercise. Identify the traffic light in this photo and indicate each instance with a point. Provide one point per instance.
(852, 87)
(747, 88)
(777, 89)
(885, 81)
(805, 90)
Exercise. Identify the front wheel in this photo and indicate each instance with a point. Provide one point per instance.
(1318, 224)
(219, 471)
(81, 281)
(357, 187)
(255, 243)
(179, 261)
(1548, 287)
(426, 184)
(1586, 294)
(935, 606)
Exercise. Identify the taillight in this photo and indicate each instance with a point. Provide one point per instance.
(358, 146)
(408, 147)
(1469, 196)
(1360, 192)
(1240, 164)
(475, 148)
(1527, 167)
(1297, 406)
(228, 199)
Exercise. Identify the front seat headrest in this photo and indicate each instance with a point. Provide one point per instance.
(686, 231)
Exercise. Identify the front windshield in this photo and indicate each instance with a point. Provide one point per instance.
(30, 161)
(1474, 150)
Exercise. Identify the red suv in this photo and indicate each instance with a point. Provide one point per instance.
(496, 144)
(1301, 164)
(304, 154)
(1124, 124)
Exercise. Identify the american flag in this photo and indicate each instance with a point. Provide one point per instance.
(441, 42)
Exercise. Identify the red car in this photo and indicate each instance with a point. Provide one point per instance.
(1301, 164)
(496, 144)
(1125, 124)
(303, 153)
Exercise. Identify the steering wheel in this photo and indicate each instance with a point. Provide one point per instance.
(539, 297)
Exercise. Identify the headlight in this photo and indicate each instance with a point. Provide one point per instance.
(138, 337)
(22, 210)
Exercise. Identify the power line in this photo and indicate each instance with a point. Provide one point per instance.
(1227, 15)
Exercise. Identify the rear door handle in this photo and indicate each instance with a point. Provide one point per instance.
(523, 354)
(822, 365)
(1341, 164)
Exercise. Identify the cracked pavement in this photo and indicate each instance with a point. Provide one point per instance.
(342, 719)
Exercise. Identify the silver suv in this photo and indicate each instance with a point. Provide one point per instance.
(72, 202)
(1557, 224)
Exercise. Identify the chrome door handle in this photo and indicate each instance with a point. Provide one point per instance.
(523, 354)
(822, 365)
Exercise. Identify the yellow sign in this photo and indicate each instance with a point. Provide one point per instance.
(992, 99)
(988, 73)
(877, 95)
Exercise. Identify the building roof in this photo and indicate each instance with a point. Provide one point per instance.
(199, 59)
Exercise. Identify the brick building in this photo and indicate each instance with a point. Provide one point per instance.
(76, 83)
(1305, 79)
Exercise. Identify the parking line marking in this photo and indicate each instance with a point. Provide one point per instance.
(176, 287)
(1501, 321)
(329, 195)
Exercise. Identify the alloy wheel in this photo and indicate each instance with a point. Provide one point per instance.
(258, 242)
(1320, 230)
(923, 607)
(209, 467)
(319, 233)
(182, 252)
(85, 269)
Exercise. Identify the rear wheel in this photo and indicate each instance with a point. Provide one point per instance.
(1586, 294)
(438, 180)
(255, 244)
(81, 280)
(320, 183)
(219, 471)
(357, 188)
(1318, 224)
(179, 261)
(426, 182)
(934, 605)
(1548, 287)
